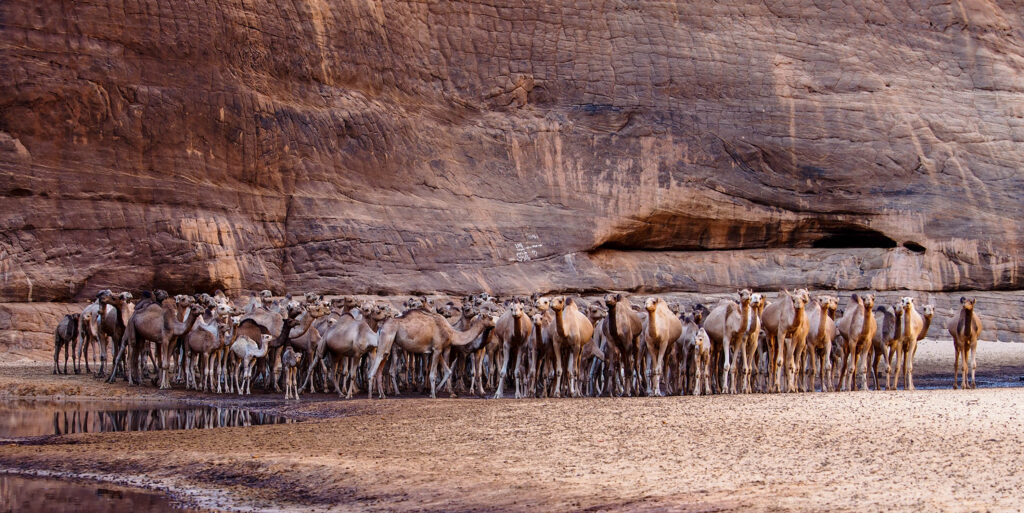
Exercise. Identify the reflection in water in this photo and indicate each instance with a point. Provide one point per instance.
(31, 418)
(38, 495)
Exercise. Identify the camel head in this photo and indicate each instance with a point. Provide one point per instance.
(183, 300)
(222, 311)
(317, 309)
(104, 296)
(869, 301)
(538, 319)
(595, 311)
(413, 303)
(906, 304)
(516, 308)
(612, 299)
(756, 300)
(266, 294)
(651, 304)
(558, 303)
(968, 303)
(928, 310)
(702, 340)
(542, 303)
(745, 296)
(675, 307)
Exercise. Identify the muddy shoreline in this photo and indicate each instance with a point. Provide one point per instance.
(782, 452)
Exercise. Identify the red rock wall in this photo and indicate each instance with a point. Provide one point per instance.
(510, 147)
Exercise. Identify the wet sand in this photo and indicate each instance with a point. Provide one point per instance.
(863, 451)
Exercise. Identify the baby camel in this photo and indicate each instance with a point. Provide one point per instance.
(290, 361)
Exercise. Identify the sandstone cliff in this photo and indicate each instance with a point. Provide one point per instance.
(380, 146)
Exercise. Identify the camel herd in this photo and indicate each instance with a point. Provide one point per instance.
(536, 347)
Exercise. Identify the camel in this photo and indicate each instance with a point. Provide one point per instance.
(421, 332)
(115, 309)
(513, 331)
(661, 330)
(203, 340)
(685, 348)
(702, 360)
(965, 329)
(727, 325)
(913, 329)
(247, 352)
(624, 329)
(782, 320)
(857, 327)
(749, 344)
(64, 337)
(347, 341)
(157, 323)
(88, 331)
(572, 331)
(290, 361)
(888, 329)
(821, 329)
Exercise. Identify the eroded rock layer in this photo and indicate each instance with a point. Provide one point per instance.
(391, 147)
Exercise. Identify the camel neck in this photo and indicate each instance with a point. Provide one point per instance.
(464, 338)
(924, 328)
(613, 322)
(517, 329)
(652, 325)
(559, 321)
(967, 322)
(822, 314)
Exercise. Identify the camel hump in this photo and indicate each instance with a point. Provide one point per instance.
(855, 298)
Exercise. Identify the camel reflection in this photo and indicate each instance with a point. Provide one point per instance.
(158, 419)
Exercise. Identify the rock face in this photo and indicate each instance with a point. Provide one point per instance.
(390, 147)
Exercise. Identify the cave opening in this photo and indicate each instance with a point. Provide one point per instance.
(853, 237)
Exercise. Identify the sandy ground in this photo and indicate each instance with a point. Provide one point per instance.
(862, 451)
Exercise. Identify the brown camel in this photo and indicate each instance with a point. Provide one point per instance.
(906, 347)
(965, 329)
(204, 339)
(685, 344)
(702, 359)
(572, 331)
(115, 309)
(513, 331)
(857, 327)
(661, 330)
(348, 340)
(625, 327)
(64, 337)
(782, 320)
(156, 323)
(727, 325)
(750, 345)
(821, 329)
(888, 329)
(421, 332)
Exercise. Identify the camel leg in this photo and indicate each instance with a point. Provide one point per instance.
(956, 366)
(558, 370)
(504, 369)
(974, 364)
(518, 374)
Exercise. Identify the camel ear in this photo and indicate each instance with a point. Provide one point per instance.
(962, 299)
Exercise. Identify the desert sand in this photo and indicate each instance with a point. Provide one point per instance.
(937, 449)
